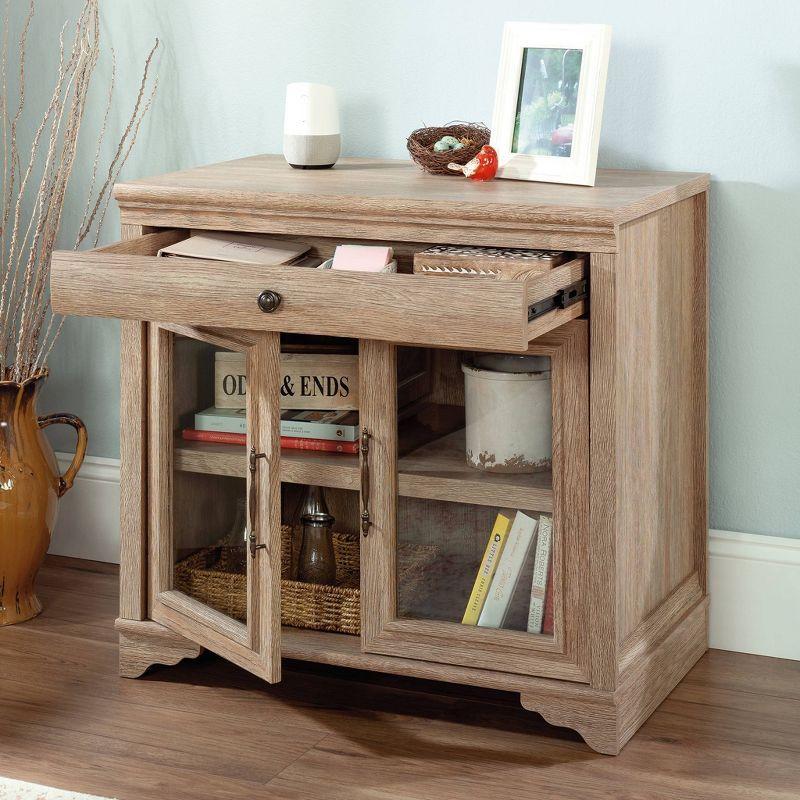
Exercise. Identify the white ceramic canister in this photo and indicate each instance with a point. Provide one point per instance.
(509, 418)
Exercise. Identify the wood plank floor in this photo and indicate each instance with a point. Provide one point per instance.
(206, 729)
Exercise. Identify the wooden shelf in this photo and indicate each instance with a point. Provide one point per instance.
(333, 470)
(437, 471)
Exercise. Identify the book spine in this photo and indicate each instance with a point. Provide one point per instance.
(208, 422)
(318, 430)
(483, 580)
(287, 442)
(547, 624)
(292, 428)
(325, 445)
(540, 570)
(508, 570)
(220, 437)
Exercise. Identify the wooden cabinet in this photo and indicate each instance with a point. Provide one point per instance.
(625, 487)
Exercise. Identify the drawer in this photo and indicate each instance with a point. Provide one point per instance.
(128, 281)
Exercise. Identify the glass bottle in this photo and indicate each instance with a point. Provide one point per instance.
(312, 501)
(317, 559)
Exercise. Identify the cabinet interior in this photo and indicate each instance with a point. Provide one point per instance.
(445, 507)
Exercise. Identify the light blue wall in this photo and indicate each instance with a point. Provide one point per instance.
(698, 85)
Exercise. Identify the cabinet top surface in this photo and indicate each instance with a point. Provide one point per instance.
(360, 186)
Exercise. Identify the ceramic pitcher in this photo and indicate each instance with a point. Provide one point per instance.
(30, 485)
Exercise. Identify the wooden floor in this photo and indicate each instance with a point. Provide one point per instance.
(206, 729)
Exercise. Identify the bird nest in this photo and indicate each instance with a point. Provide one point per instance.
(420, 144)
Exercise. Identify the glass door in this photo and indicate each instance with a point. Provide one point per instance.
(477, 541)
(214, 496)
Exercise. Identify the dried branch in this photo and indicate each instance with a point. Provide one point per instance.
(100, 140)
(109, 182)
(26, 244)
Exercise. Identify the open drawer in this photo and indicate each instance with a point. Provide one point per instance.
(128, 281)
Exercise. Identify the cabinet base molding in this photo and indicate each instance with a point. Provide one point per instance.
(607, 720)
(143, 644)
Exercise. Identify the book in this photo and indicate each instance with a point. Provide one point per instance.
(339, 426)
(287, 442)
(540, 571)
(502, 263)
(326, 445)
(480, 589)
(244, 248)
(322, 381)
(547, 623)
(217, 437)
(222, 420)
(516, 616)
(509, 569)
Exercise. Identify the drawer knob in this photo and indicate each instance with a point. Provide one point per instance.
(268, 301)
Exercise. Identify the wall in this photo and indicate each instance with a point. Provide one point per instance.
(692, 86)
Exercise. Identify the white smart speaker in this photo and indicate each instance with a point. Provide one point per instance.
(311, 137)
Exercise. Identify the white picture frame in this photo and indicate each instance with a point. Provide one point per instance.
(528, 101)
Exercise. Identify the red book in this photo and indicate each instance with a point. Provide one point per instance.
(219, 437)
(287, 442)
(328, 446)
(547, 621)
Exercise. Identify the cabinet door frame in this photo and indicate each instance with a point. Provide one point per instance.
(256, 644)
(565, 655)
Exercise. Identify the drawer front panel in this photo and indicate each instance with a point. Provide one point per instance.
(472, 313)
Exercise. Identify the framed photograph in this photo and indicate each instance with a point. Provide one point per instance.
(548, 108)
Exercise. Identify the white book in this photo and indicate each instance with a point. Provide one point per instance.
(309, 424)
(224, 420)
(540, 568)
(509, 569)
(245, 248)
(336, 426)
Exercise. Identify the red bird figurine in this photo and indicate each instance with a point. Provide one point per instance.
(481, 168)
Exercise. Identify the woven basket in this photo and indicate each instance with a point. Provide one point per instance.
(213, 577)
(420, 144)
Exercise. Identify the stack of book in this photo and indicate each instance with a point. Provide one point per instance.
(514, 585)
(329, 431)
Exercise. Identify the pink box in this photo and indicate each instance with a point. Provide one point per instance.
(361, 258)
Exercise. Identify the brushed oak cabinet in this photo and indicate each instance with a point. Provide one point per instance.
(621, 324)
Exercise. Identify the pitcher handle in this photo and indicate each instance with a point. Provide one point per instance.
(65, 481)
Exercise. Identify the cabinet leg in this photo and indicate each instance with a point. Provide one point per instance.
(596, 721)
(143, 644)
(607, 720)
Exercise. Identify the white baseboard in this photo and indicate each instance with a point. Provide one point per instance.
(753, 580)
(88, 515)
(754, 585)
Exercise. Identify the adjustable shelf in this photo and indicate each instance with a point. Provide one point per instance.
(436, 471)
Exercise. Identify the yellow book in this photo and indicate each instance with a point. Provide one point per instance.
(483, 581)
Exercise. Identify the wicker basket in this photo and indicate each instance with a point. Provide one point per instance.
(473, 135)
(212, 576)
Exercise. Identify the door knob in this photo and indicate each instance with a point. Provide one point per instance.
(268, 301)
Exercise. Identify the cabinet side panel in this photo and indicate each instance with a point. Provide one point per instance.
(700, 387)
(133, 461)
(661, 408)
(603, 416)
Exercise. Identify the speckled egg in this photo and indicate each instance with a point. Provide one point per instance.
(447, 143)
